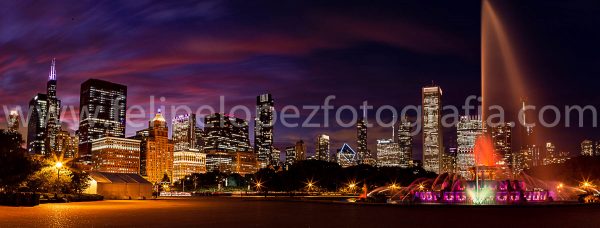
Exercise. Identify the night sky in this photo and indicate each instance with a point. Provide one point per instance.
(192, 52)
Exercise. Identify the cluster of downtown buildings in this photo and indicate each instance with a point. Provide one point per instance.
(100, 143)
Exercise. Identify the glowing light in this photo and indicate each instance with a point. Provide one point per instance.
(485, 154)
(479, 197)
(58, 165)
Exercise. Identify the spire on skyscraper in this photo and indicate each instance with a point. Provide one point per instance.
(52, 75)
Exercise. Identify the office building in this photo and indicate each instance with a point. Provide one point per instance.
(67, 145)
(116, 155)
(587, 148)
(263, 130)
(322, 148)
(290, 155)
(502, 139)
(432, 128)
(102, 107)
(53, 114)
(159, 151)
(185, 132)
(228, 133)
(36, 128)
(468, 129)
(187, 162)
(346, 156)
(388, 153)
(405, 143)
(363, 154)
(300, 149)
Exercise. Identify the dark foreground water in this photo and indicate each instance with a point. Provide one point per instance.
(235, 212)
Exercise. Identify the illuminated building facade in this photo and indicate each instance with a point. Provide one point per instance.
(432, 128)
(388, 153)
(587, 148)
(322, 148)
(241, 162)
(184, 132)
(467, 131)
(502, 139)
(116, 155)
(187, 162)
(346, 156)
(36, 128)
(300, 149)
(363, 154)
(102, 108)
(530, 152)
(67, 145)
(448, 162)
(263, 130)
(159, 151)
(13, 121)
(222, 132)
(405, 142)
(551, 157)
(53, 113)
(245, 163)
(290, 155)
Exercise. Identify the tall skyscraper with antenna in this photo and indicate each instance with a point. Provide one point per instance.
(53, 124)
(361, 131)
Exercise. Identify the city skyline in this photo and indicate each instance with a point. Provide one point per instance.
(195, 80)
(267, 113)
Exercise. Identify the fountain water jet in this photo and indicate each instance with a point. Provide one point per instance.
(494, 39)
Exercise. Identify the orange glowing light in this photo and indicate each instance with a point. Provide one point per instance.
(485, 153)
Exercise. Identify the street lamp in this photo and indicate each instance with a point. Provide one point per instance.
(58, 165)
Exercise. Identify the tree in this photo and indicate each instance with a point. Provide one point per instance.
(79, 181)
(16, 166)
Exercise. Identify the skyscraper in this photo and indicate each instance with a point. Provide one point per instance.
(587, 148)
(263, 130)
(405, 143)
(468, 129)
(184, 132)
(502, 139)
(346, 156)
(290, 155)
(448, 161)
(361, 140)
(53, 124)
(322, 148)
(389, 153)
(226, 133)
(530, 153)
(432, 128)
(300, 149)
(159, 150)
(36, 127)
(550, 156)
(102, 108)
(13, 121)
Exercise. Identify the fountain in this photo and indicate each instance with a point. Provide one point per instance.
(492, 182)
